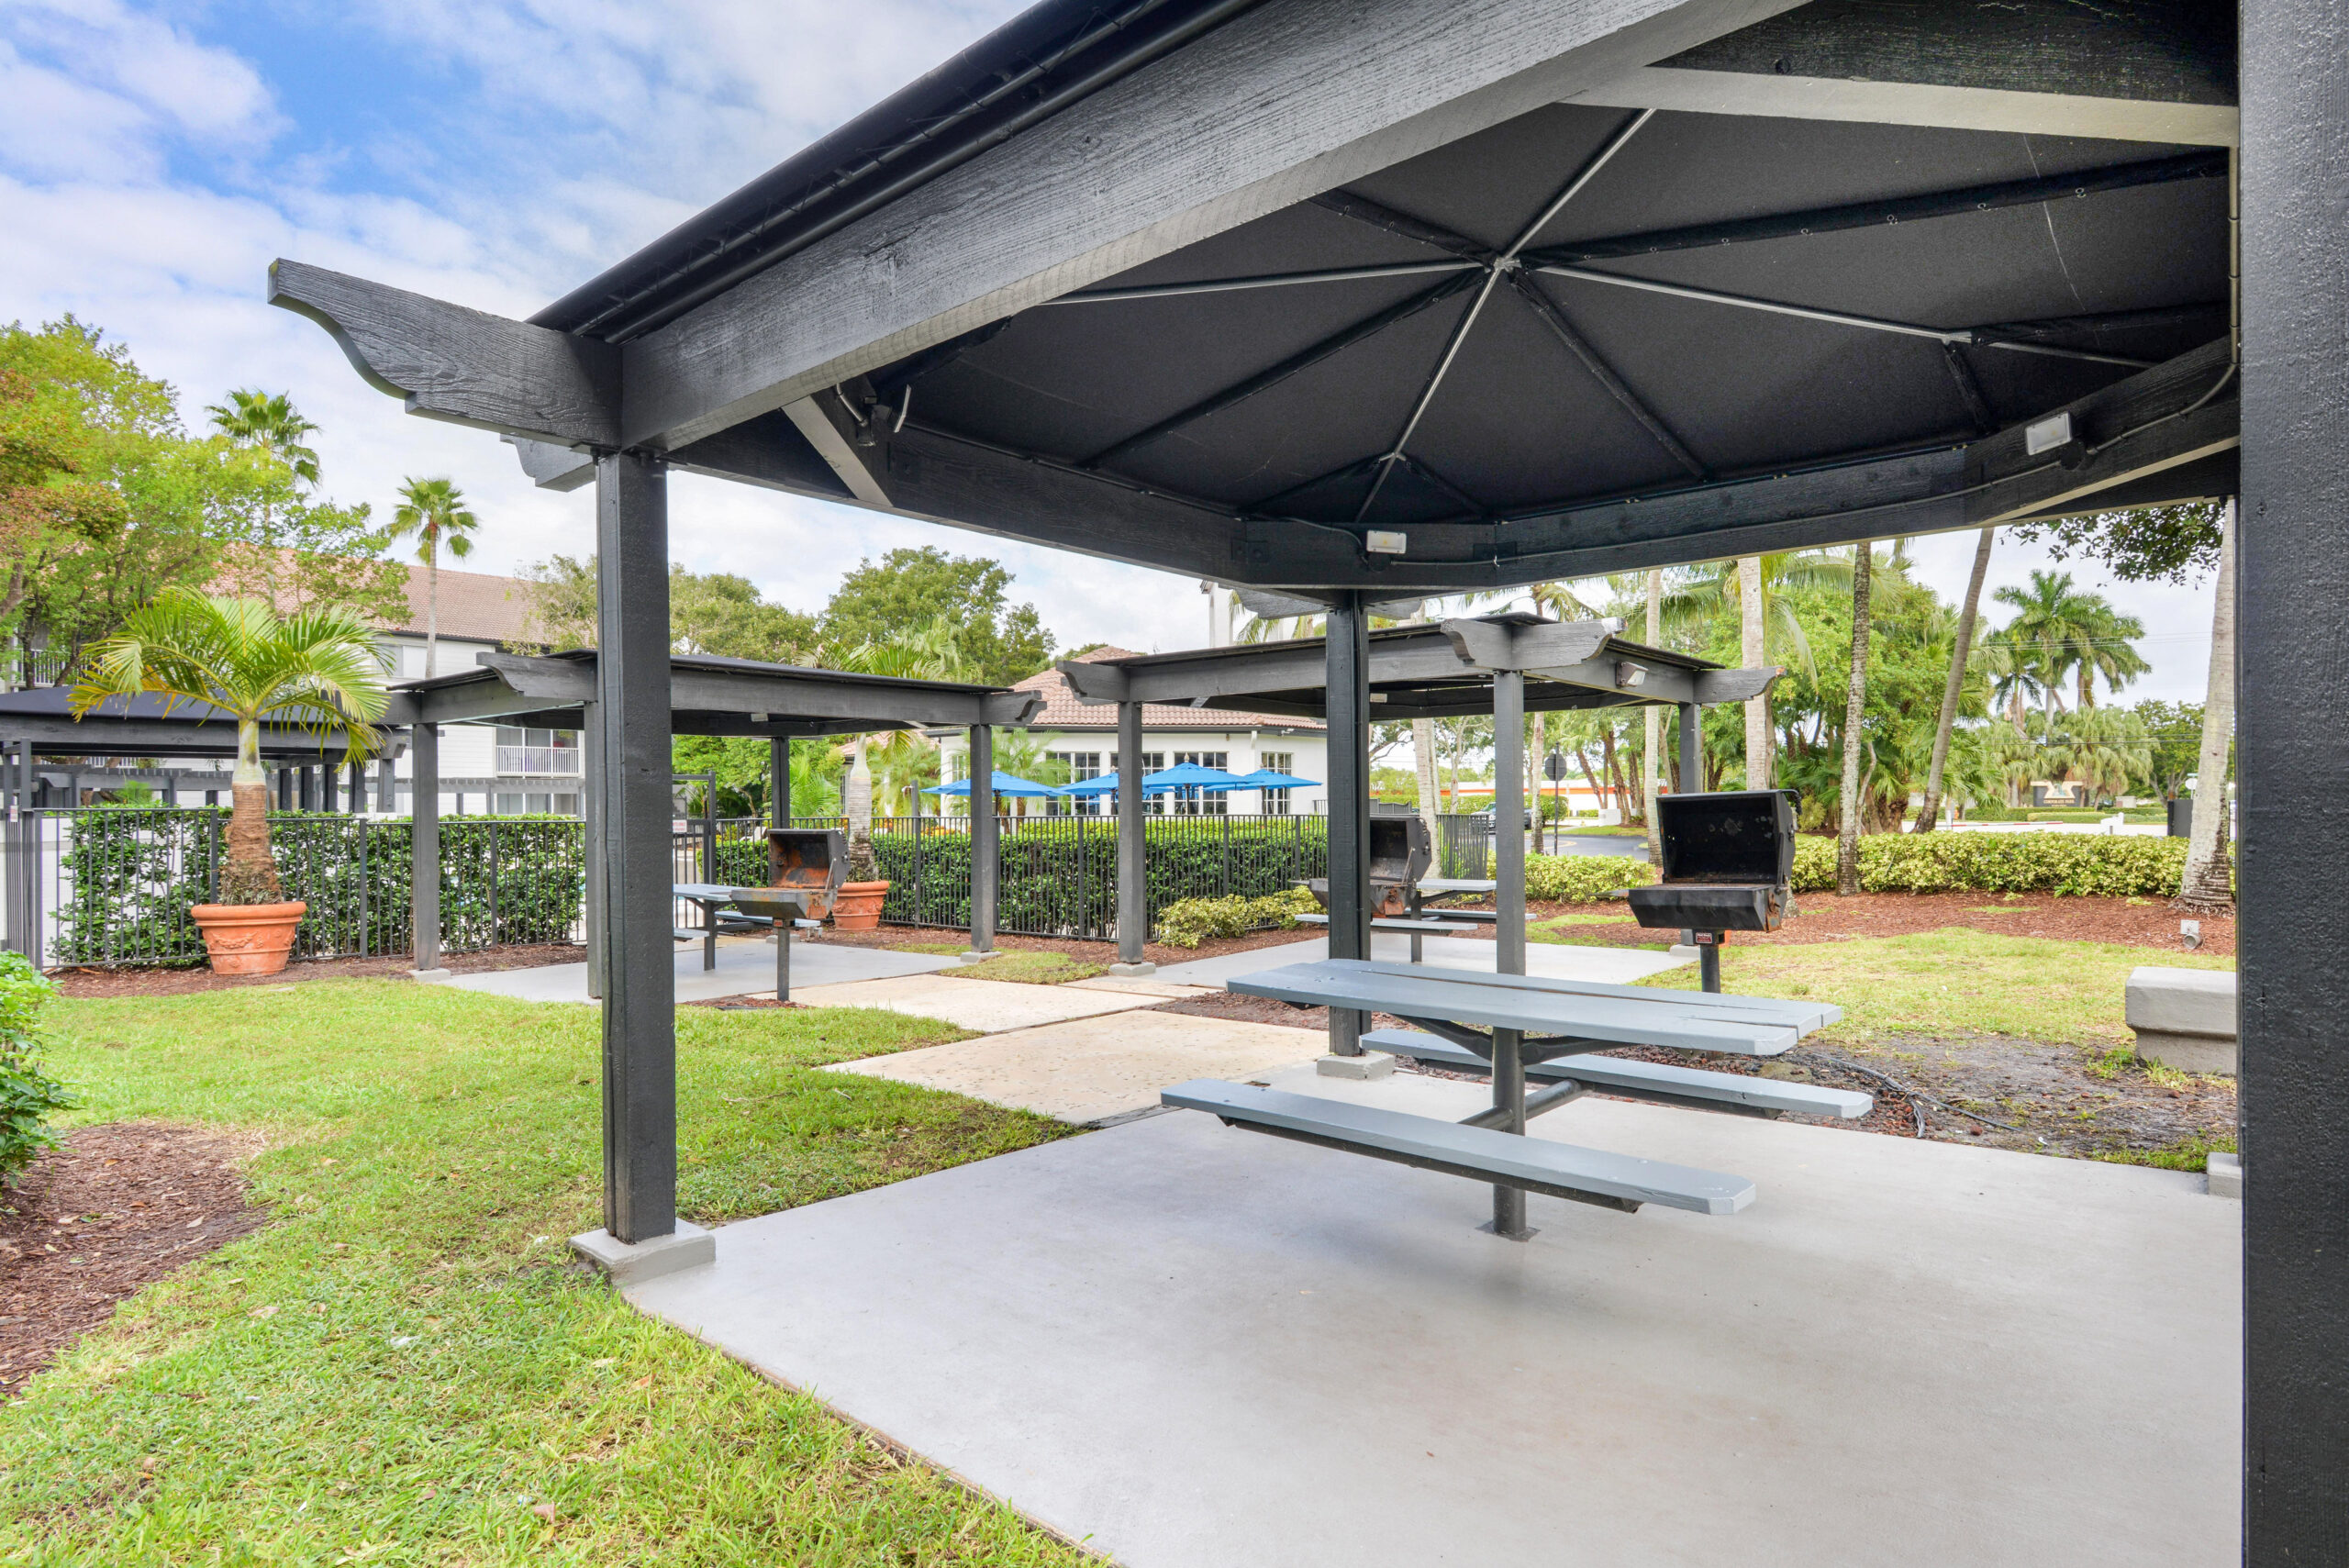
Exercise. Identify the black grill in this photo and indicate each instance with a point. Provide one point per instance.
(1728, 860)
(1400, 854)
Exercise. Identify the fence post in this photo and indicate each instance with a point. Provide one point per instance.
(493, 826)
(986, 853)
(424, 855)
(366, 945)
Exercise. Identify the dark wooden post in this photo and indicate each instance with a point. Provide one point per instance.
(424, 847)
(985, 848)
(632, 786)
(1692, 748)
(1347, 665)
(1508, 930)
(591, 807)
(1133, 848)
(779, 786)
(2292, 772)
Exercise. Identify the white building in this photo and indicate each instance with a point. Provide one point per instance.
(1084, 739)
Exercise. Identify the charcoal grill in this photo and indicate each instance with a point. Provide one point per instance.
(813, 859)
(1400, 854)
(1728, 863)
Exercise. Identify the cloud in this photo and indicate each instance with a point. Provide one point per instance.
(94, 89)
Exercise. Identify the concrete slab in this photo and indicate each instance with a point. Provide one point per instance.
(745, 966)
(1094, 1069)
(987, 1006)
(1158, 989)
(1615, 966)
(1196, 1346)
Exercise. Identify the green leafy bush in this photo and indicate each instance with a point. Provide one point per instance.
(28, 1095)
(1581, 879)
(1190, 921)
(2077, 864)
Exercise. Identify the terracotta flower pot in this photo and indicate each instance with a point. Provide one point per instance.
(249, 938)
(857, 908)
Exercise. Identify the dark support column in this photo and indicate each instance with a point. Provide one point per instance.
(2292, 773)
(1692, 748)
(1509, 930)
(424, 847)
(986, 853)
(357, 788)
(779, 785)
(591, 808)
(1133, 903)
(632, 722)
(1347, 652)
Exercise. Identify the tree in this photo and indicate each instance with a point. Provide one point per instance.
(561, 609)
(2208, 884)
(1929, 809)
(932, 650)
(912, 587)
(270, 423)
(1751, 640)
(433, 512)
(295, 552)
(1847, 842)
(1652, 729)
(317, 670)
(2057, 622)
(2149, 544)
(2173, 742)
(1754, 596)
(725, 615)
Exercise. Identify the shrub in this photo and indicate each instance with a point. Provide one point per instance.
(28, 1095)
(1581, 879)
(2073, 864)
(1191, 921)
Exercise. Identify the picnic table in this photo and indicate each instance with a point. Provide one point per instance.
(1518, 1027)
(751, 909)
(1417, 930)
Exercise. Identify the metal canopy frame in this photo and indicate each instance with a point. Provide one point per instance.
(1507, 665)
(1808, 303)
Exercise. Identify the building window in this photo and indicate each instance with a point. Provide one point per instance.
(536, 803)
(1191, 801)
(1151, 763)
(1078, 766)
(521, 750)
(1276, 803)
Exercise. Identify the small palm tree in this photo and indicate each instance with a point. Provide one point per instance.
(269, 421)
(434, 511)
(317, 670)
(932, 651)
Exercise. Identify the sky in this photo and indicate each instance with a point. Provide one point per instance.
(155, 158)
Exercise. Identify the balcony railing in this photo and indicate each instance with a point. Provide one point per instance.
(537, 759)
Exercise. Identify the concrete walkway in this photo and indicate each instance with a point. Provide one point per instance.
(1094, 1070)
(1197, 1346)
(987, 1006)
(745, 964)
(1616, 966)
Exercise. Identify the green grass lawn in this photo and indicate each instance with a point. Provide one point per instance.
(404, 1369)
(1030, 968)
(1952, 982)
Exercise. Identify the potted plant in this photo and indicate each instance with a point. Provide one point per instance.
(318, 670)
(857, 906)
(931, 651)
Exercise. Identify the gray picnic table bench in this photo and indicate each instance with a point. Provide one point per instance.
(1530, 1027)
(1418, 930)
(744, 909)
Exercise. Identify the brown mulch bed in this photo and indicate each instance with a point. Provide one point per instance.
(115, 1209)
(103, 983)
(1090, 951)
(1822, 917)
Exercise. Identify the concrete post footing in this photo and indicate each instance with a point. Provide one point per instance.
(1133, 971)
(430, 976)
(2225, 1173)
(1369, 1064)
(686, 1247)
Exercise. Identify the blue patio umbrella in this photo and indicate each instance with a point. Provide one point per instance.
(1188, 775)
(1104, 784)
(1005, 784)
(1269, 778)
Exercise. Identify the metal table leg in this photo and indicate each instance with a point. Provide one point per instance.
(1509, 1104)
(783, 958)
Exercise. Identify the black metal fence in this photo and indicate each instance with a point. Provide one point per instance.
(113, 885)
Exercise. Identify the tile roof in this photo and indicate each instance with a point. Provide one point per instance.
(478, 605)
(1062, 711)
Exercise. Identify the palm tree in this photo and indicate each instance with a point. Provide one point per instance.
(1755, 591)
(269, 422)
(1929, 810)
(2106, 650)
(317, 670)
(2208, 885)
(929, 652)
(2106, 750)
(2057, 623)
(434, 510)
(1847, 840)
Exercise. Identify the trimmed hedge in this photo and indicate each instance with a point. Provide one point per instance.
(1191, 921)
(1581, 879)
(133, 874)
(2137, 866)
